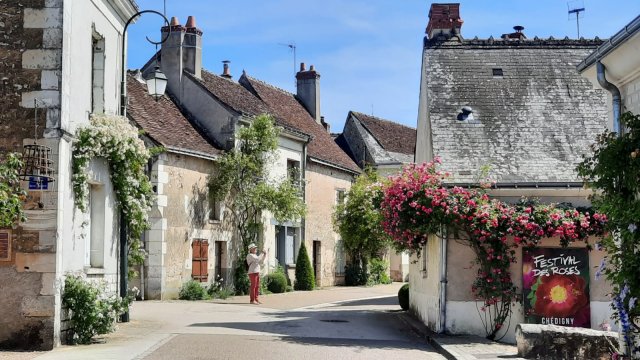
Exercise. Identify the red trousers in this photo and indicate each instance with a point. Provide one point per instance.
(255, 286)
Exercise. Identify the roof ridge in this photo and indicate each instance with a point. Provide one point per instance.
(269, 85)
(382, 119)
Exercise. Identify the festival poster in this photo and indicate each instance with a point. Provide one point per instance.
(556, 286)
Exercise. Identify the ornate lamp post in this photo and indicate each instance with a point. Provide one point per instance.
(156, 86)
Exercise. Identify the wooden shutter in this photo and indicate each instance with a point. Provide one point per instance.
(200, 260)
(5, 245)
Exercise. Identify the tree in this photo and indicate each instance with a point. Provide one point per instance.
(11, 195)
(305, 279)
(243, 180)
(613, 171)
(359, 222)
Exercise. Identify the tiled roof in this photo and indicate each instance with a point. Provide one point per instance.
(532, 122)
(284, 106)
(164, 122)
(232, 94)
(392, 136)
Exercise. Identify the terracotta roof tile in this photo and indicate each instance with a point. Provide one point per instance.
(232, 94)
(392, 136)
(164, 122)
(290, 111)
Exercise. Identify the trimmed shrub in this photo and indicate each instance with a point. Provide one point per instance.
(355, 275)
(403, 297)
(305, 279)
(276, 282)
(192, 290)
(378, 272)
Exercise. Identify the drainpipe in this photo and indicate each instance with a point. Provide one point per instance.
(615, 93)
(443, 281)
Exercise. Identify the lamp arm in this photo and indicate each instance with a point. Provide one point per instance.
(123, 84)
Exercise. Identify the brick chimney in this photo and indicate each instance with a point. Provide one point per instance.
(518, 35)
(181, 51)
(308, 90)
(444, 21)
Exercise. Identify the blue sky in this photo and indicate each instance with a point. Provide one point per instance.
(368, 52)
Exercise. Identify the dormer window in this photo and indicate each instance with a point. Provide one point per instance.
(497, 72)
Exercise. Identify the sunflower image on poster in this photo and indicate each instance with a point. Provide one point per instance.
(556, 286)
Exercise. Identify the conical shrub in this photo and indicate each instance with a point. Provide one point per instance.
(305, 279)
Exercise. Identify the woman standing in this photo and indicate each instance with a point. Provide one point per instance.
(254, 261)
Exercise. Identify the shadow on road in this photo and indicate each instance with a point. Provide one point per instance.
(385, 301)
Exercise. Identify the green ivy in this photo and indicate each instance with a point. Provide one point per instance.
(116, 140)
(11, 194)
(613, 171)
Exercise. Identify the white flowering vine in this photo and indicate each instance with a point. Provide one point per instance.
(116, 140)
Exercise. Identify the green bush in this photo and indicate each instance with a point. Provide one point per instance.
(91, 311)
(355, 275)
(305, 279)
(378, 272)
(241, 282)
(218, 290)
(403, 297)
(192, 290)
(276, 282)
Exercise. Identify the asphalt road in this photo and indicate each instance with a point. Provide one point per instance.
(360, 329)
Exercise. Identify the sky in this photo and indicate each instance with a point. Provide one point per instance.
(368, 52)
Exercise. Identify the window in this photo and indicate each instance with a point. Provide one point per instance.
(97, 74)
(216, 210)
(497, 72)
(340, 196)
(286, 244)
(293, 173)
(96, 223)
(341, 258)
(200, 260)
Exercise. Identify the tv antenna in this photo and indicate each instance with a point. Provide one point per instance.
(576, 7)
(292, 46)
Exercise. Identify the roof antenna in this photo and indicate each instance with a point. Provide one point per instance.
(576, 7)
(371, 109)
(293, 47)
(164, 12)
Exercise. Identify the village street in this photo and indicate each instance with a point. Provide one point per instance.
(335, 323)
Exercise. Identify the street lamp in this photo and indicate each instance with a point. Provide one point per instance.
(156, 86)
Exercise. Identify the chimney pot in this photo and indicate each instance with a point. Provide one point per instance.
(303, 67)
(225, 69)
(191, 22)
(174, 21)
(518, 28)
(312, 68)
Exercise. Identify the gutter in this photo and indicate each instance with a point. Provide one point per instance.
(326, 163)
(443, 281)
(615, 94)
(523, 185)
(193, 153)
(611, 44)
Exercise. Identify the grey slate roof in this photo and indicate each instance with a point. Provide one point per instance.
(533, 124)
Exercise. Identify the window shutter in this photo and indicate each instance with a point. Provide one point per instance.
(5, 245)
(199, 262)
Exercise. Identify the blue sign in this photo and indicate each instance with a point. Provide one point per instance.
(38, 183)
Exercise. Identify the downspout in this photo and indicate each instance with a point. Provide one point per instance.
(443, 281)
(615, 93)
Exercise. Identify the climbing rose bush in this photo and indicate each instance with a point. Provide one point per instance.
(116, 140)
(416, 204)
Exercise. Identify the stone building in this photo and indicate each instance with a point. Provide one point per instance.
(517, 107)
(386, 146)
(217, 106)
(68, 69)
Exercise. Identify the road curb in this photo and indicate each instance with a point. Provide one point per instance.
(424, 332)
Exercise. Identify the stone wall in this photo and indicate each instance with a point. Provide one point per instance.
(631, 96)
(550, 342)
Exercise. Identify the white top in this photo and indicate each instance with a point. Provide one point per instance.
(255, 261)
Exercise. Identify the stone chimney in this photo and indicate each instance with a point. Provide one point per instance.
(518, 35)
(181, 51)
(308, 90)
(444, 22)
(326, 125)
(226, 73)
(192, 48)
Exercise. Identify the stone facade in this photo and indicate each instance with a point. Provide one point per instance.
(550, 342)
(36, 71)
